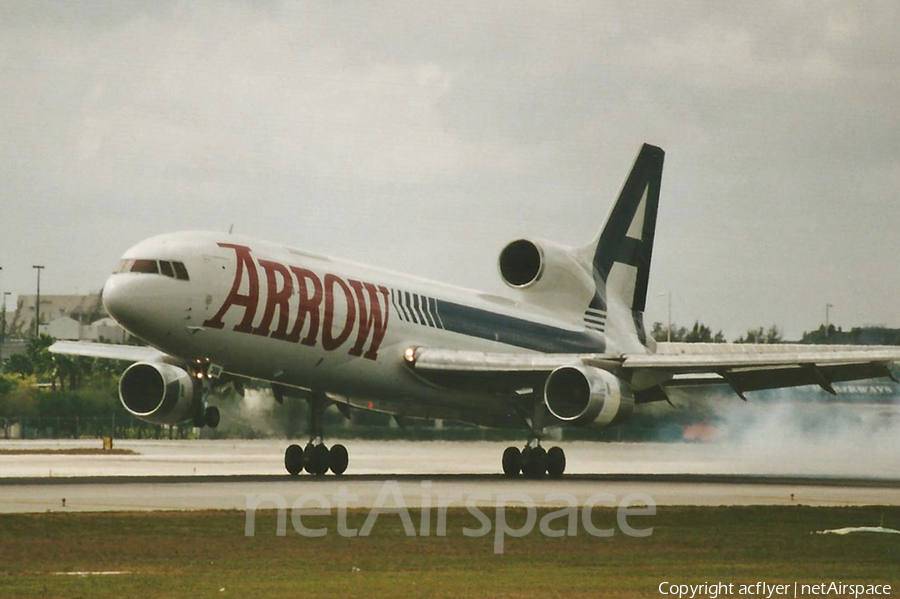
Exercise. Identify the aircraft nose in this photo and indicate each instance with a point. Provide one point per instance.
(152, 307)
(117, 301)
(138, 302)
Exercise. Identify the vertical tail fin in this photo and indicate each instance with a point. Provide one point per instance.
(627, 237)
(622, 251)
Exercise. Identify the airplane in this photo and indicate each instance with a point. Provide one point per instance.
(570, 348)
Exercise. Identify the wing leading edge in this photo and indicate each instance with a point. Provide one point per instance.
(109, 351)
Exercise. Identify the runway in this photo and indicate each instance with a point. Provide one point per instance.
(229, 475)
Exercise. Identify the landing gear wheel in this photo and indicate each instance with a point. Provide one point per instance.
(338, 459)
(556, 462)
(211, 416)
(293, 459)
(534, 462)
(315, 459)
(525, 461)
(511, 461)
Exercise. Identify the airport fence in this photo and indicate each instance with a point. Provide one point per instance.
(117, 426)
(78, 427)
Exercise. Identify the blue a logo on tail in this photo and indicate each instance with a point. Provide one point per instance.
(623, 250)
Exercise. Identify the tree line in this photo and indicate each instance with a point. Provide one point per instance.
(700, 333)
(40, 384)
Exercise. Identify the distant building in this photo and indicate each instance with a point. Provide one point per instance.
(65, 317)
(106, 330)
(84, 309)
(63, 327)
(66, 328)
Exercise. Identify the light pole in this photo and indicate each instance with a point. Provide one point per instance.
(37, 305)
(668, 294)
(828, 308)
(3, 329)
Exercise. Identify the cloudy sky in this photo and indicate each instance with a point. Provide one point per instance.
(424, 136)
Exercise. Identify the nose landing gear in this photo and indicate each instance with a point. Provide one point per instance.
(205, 415)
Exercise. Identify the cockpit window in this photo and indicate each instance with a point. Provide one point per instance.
(145, 266)
(180, 271)
(124, 266)
(175, 270)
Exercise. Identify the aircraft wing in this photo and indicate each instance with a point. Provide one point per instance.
(745, 367)
(128, 353)
(753, 367)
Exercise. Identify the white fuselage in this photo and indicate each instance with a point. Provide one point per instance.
(278, 314)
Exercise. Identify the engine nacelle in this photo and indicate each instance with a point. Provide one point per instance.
(547, 269)
(158, 393)
(587, 396)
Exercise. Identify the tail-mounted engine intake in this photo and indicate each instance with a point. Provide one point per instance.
(587, 396)
(158, 393)
(549, 270)
(521, 263)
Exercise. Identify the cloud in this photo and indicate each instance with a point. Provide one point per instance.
(364, 130)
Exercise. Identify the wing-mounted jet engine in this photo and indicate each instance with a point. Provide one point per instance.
(165, 394)
(587, 396)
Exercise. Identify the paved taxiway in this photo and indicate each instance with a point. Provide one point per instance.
(177, 475)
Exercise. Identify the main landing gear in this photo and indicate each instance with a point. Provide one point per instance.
(316, 458)
(534, 461)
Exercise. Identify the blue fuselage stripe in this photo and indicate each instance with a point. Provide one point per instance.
(510, 330)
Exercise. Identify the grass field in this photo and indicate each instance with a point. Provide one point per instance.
(206, 554)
